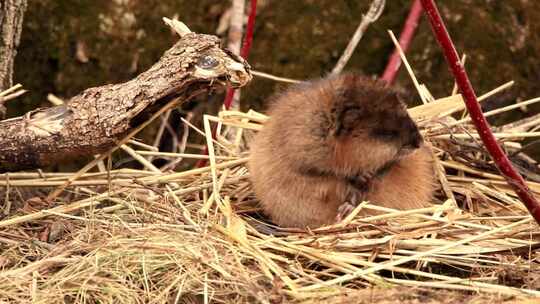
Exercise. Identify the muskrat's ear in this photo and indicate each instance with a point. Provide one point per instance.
(348, 109)
(346, 120)
(402, 96)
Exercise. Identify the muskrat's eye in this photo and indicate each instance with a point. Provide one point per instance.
(207, 62)
(385, 134)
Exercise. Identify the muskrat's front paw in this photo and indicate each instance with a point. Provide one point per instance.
(344, 210)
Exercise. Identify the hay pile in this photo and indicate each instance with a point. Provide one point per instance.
(140, 236)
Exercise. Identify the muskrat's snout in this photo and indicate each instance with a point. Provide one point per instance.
(412, 138)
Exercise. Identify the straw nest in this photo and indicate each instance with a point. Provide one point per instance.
(145, 236)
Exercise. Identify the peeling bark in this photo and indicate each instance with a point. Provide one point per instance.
(11, 18)
(93, 121)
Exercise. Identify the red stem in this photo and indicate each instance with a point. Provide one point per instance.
(250, 28)
(228, 98)
(405, 38)
(504, 165)
(244, 52)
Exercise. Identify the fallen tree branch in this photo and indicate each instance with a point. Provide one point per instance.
(95, 120)
(514, 179)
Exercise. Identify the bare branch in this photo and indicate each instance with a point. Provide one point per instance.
(98, 118)
(374, 12)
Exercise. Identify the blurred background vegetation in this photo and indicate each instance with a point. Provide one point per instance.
(70, 45)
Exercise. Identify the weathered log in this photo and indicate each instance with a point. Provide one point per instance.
(96, 119)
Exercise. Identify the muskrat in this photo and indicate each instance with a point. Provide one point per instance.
(332, 143)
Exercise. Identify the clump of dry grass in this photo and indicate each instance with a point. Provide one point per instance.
(141, 236)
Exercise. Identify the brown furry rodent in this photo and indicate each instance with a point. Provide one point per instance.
(337, 141)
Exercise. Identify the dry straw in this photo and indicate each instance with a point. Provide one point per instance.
(146, 236)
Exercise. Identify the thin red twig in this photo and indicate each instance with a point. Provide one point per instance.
(514, 179)
(244, 52)
(405, 38)
(250, 28)
(228, 98)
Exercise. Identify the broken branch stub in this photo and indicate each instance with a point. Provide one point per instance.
(96, 119)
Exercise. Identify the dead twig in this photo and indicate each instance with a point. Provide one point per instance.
(375, 10)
